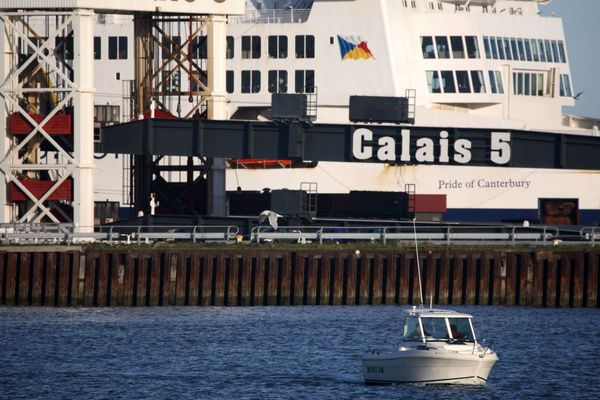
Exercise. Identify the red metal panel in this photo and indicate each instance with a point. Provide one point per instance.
(429, 203)
(38, 188)
(59, 124)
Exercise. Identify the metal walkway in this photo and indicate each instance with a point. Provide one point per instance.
(433, 234)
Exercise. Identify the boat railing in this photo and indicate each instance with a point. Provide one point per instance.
(488, 347)
(273, 16)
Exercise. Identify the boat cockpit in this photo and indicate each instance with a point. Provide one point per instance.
(438, 327)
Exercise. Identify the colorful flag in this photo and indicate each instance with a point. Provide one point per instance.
(354, 48)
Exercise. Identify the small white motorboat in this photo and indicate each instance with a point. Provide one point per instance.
(437, 347)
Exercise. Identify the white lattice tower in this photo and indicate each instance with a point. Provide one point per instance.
(20, 156)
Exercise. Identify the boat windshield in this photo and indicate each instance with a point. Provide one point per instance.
(435, 328)
(461, 329)
(412, 330)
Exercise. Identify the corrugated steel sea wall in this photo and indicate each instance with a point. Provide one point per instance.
(72, 276)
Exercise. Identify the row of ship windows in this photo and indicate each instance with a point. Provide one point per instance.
(519, 49)
(250, 47)
(463, 82)
(444, 48)
(497, 48)
(63, 47)
(251, 81)
(524, 83)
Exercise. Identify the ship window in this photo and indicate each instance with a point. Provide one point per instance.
(97, 47)
(494, 48)
(433, 82)
(542, 50)
(496, 82)
(501, 53)
(555, 51)
(230, 51)
(478, 83)
(405, 3)
(304, 81)
(506, 45)
(534, 50)
(448, 82)
(548, 48)
(486, 46)
(458, 49)
(305, 46)
(461, 329)
(527, 84)
(250, 81)
(171, 82)
(427, 47)
(528, 50)
(441, 43)
(519, 83)
(250, 46)
(411, 330)
(199, 78)
(462, 80)
(170, 45)
(229, 81)
(435, 328)
(200, 47)
(565, 86)
(63, 46)
(278, 46)
(513, 47)
(472, 48)
(499, 81)
(37, 42)
(521, 49)
(540, 84)
(561, 51)
(278, 81)
(413, 4)
(117, 48)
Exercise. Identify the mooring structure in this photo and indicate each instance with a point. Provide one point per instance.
(47, 94)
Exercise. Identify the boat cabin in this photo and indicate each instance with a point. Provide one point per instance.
(437, 325)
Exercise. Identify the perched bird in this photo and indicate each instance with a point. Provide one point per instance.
(271, 216)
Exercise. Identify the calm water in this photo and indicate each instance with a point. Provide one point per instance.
(278, 352)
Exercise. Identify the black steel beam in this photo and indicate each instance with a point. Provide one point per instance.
(353, 143)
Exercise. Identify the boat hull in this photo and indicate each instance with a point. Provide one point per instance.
(427, 367)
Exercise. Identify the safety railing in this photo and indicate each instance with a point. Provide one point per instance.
(273, 16)
(427, 233)
(14, 233)
(67, 233)
(590, 234)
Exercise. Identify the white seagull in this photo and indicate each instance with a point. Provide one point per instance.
(272, 216)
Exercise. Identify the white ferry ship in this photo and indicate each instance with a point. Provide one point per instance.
(489, 64)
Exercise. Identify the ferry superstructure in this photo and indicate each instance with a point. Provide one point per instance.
(488, 64)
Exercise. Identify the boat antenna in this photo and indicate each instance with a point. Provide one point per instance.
(418, 260)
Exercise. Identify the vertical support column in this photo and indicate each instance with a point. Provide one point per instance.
(144, 55)
(83, 44)
(217, 109)
(5, 62)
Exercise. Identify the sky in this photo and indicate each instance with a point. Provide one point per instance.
(581, 21)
